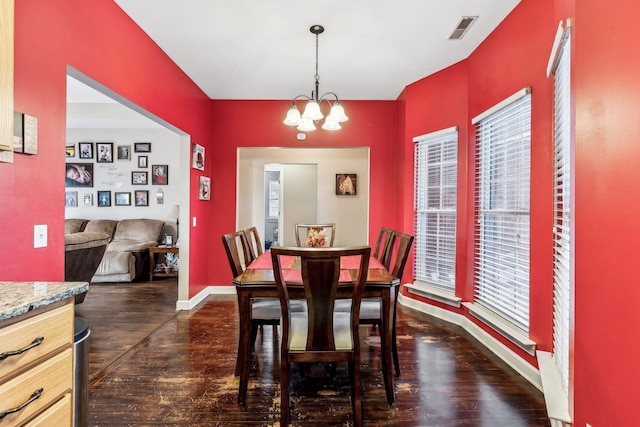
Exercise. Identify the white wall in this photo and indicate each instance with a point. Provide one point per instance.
(116, 176)
(350, 213)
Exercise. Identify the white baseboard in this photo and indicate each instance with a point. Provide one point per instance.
(522, 367)
(203, 294)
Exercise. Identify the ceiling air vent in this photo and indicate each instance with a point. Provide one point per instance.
(462, 27)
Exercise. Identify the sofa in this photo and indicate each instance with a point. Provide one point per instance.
(126, 255)
(83, 252)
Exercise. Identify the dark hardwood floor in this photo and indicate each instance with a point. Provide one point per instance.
(153, 366)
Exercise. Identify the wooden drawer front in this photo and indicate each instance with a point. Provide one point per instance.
(58, 415)
(54, 376)
(56, 326)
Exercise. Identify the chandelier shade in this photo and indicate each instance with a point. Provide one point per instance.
(312, 110)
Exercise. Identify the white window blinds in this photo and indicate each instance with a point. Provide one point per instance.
(501, 270)
(436, 165)
(562, 229)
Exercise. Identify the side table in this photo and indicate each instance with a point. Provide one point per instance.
(153, 252)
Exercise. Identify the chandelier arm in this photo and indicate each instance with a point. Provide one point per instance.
(293, 101)
(328, 93)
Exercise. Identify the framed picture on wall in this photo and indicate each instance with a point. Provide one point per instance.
(198, 157)
(71, 151)
(139, 178)
(142, 198)
(86, 150)
(143, 161)
(123, 199)
(79, 175)
(71, 198)
(104, 199)
(87, 199)
(142, 147)
(160, 174)
(204, 191)
(124, 152)
(346, 184)
(104, 152)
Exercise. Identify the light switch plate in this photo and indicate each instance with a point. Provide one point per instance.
(40, 236)
(194, 221)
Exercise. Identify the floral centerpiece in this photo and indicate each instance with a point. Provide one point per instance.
(316, 238)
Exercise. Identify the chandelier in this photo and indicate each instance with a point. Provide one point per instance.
(312, 112)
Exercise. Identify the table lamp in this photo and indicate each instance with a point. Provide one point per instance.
(175, 214)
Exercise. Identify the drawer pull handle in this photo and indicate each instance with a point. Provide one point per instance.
(36, 394)
(34, 343)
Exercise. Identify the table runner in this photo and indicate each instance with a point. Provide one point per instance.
(263, 262)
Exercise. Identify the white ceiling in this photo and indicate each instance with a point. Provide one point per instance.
(251, 49)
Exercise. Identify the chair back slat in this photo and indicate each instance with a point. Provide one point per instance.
(384, 245)
(237, 249)
(399, 253)
(254, 243)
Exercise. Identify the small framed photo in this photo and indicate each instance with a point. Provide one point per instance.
(142, 198)
(87, 199)
(71, 151)
(123, 199)
(104, 199)
(79, 175)
(346, 184)
(86, 150)
(160, 174)
(124, 152)
(143, 161)
(104, 152)
(198, 157)
(204, 191)
(139, 178)
(71, 198)
(142, 147)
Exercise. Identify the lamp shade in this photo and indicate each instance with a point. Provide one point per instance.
(306, 125)
(331, 124)
(337, 113)
(175, 212)
(312, 111)
(293, 117)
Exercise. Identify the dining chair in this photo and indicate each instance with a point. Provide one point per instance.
(320, 334)
(371, 308)
(302, 234)
(383, 246)
(264, 311)
(255, 245)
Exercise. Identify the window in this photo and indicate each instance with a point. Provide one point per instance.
(562, 230)
(436, 164)
(501, 271)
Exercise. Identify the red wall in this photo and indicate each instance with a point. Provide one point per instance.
(607, 226)
(99, 40)
(514, 56)
(259, 124)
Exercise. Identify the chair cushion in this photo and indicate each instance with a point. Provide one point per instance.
(74, 225)
(269, 308)
(106, 226)
(341, 331)
(370, 308)
(142, 230)
(77, 241)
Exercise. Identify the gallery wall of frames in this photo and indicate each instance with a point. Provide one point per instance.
(121, 173)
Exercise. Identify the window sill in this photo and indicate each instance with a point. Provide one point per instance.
(503, 327)
(434, 293)
(554, 395)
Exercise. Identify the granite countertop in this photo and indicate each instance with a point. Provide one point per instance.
(17, 298)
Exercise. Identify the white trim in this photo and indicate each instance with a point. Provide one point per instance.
(435, 134)
(519, 94)
(555, 48)
(525, 369)
(435, 293)
(203, 294)
(503, 327)
(555, 397)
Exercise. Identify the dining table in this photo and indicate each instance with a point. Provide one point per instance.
(257, 281)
